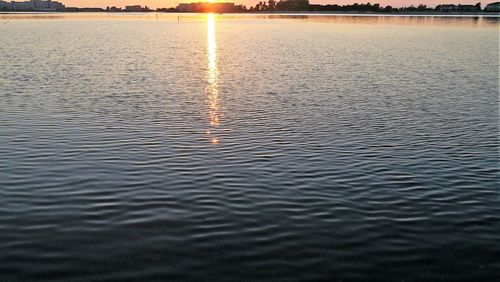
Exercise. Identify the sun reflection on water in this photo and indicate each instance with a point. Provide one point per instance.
(212, 91)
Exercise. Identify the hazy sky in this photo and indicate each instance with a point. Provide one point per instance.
(172, 3)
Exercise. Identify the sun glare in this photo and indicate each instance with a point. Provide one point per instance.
(212, 91)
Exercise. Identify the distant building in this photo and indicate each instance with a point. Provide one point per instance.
(492, 7)
(114, 9)
(206, 7)
(4, 4)
(34, 5)
(134, 8)
(23, 6)
(449, 8)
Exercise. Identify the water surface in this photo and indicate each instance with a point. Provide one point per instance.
(248, 148)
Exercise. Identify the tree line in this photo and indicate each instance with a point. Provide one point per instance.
(304, 5)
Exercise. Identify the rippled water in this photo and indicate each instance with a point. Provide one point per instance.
(248, 148)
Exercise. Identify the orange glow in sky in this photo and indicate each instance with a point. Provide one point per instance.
(172, 3)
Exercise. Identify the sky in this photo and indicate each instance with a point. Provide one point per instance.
(173, 3)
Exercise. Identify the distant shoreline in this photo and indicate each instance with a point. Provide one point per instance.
(270, 13)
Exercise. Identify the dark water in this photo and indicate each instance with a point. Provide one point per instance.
(223, 148)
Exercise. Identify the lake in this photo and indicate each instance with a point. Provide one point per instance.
(184, 147)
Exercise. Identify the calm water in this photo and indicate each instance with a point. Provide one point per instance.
(248, 148)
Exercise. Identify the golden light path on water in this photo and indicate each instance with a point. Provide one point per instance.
(212, 91)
